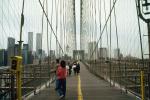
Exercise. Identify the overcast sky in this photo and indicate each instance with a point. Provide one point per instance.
(10, 11)
(127, 25)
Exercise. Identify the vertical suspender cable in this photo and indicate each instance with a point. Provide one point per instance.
(64, 26)
(89, 26)
(56, 7)
(90, 48)
(63, 36)
(2, 20)
(48, 41)
(99, 8)
(142, 69)
(21, 25)
(92, 33)
(117, 45)
(51, 26)
(81, 26)
(51, 32)
(81, 31)
(100, 22)
(140, 36)
(110, 48)
(41, 43)
(106, 28)
(61, 32)
(95, 31)
(47, 32)
(106, 34)
(74, 10)
(96, 35)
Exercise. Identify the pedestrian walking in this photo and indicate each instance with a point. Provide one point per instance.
(62, 74)
(56, 80)
(74, 68)
(67, 67)
(78, 68)
(70, 68)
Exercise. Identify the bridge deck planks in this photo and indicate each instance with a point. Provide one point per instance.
(92, 87)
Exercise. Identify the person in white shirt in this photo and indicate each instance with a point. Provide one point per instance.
(74, 68)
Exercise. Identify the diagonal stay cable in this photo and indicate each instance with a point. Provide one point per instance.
(51, 26)
(140, 35)
(104, 27)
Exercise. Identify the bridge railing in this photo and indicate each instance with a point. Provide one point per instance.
(33, 78)
(124, 74)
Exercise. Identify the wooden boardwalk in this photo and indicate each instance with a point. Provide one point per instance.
(91, 88)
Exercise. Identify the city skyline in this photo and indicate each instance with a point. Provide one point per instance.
(127, 34)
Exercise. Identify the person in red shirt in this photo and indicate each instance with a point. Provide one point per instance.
(61, 75)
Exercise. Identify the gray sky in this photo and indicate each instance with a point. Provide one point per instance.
(127, 25)
(10, 11)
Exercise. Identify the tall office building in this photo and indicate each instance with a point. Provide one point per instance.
(116, 53)
(11, 42)
(25, 53)
(30, 41)
(103, 53)
(16, 50)
(3, 57)
(92, 50)
(38, 44)
(52, 53)
(10, 49)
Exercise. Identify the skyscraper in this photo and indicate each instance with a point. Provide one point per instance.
(103, 53)
(30, 41)
(16, 49)
(38, 43)
(25, 53)
(11, 42)
(3, 57)
(116, 53)
(92, 50)
(10, 48)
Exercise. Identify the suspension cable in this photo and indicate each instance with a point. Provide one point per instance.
(100, 26)
(110, 47)
(42, 30)
(140, 36)
(117, 39)
(51, 31)
(64, 26)
(95, 31)
(47, 31)
(56, 26)
(51, 26)
(105, 25)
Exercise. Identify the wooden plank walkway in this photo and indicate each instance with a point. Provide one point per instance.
(92, 88)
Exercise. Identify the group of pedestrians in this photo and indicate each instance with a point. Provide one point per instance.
(76, 68)
(61, 73)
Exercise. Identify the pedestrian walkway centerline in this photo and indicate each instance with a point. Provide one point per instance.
(80, 97)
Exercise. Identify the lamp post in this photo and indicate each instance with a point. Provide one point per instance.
(21, 25)
(19, 72)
